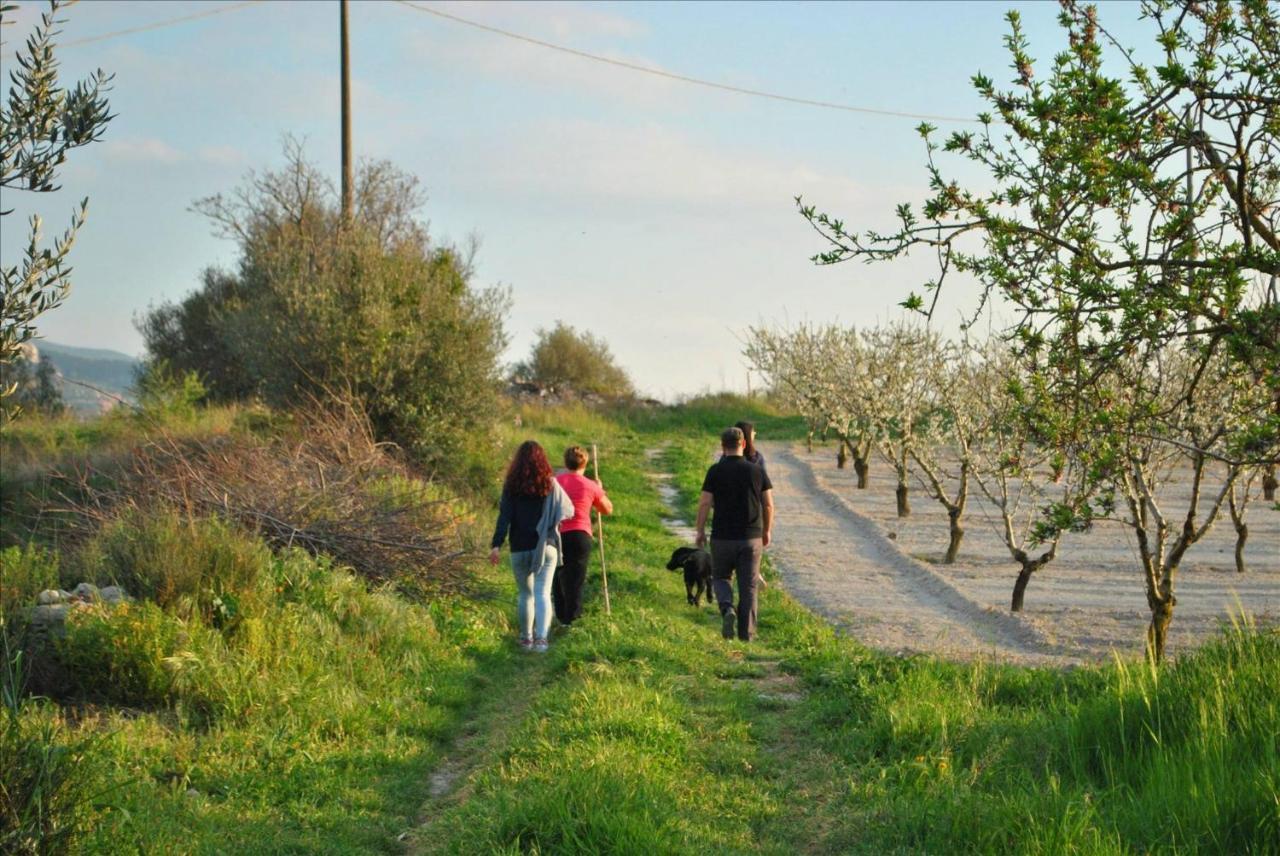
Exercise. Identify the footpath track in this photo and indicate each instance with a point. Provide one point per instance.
(845, 568)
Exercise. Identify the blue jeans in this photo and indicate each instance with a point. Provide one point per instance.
(533, 591)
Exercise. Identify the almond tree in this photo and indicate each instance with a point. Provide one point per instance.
(1173, 411)
(819, 370)
(1034, 487)
(948, 430)
(895, 359)
(1238, 505)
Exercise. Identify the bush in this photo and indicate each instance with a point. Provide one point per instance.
(376, 308)
(188, 566)
(566, 360)
(323, 484)
(24, 572)
(138, 655)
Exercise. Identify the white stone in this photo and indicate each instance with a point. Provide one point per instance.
(112, 594)
(49, 596)
(86, 591)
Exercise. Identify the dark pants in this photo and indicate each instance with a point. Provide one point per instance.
(566, 588)
(742, 557)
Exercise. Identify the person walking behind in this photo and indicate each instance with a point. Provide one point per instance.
(749, 452)
(575, 534)
(532, 506)
(739, 496)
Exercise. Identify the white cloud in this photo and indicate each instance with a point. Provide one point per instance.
(141, 149)
(154, 151)
(651, 163)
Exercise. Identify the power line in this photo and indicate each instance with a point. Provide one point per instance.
(711, 84)
(155, 25)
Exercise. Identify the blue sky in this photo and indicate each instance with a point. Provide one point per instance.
(656, 214)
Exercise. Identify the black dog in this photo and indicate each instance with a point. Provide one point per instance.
(697, 571)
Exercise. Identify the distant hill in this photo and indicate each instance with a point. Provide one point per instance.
(110, 371)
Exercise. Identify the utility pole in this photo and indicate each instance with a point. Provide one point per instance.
(347, 171)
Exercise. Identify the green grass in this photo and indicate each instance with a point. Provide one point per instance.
(311, 715)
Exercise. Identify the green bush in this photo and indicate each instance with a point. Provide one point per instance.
(24, 573)
(566, 360)
(189, 566)
(375, 308)
(137, 655)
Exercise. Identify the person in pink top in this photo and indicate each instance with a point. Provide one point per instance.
(575, 534)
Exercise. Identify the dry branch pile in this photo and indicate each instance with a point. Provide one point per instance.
(325, 486)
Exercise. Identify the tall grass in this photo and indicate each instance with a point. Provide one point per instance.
(262, 700)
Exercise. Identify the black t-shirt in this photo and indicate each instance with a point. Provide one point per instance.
(737, 487)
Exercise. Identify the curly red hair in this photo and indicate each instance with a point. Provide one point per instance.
(530, 472)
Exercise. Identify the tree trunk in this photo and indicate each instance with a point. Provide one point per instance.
(904, 507)
(808, 441)
(861, 467)
(1269, 483)
(1242, 535)
(842, 456)
(1158, 632)
(1020, 587)
(953, 548)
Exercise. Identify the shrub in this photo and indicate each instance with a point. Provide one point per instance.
(323, 484)
(566, 360)
(375, 307)
(24, 573)
(182, 564)
(138, 655)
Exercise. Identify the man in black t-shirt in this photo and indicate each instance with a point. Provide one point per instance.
(742, 525)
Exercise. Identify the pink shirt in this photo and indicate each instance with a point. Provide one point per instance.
(586, 495)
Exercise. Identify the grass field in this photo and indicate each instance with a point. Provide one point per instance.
(336, 719)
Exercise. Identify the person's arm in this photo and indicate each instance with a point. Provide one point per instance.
(705, 501)
(505, 511)
(768, 516)
(601, 502)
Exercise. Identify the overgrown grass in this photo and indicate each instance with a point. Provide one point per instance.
(261, 702)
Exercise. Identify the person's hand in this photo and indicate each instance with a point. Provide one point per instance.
(768, 537)
(494, 555)
(701, 540)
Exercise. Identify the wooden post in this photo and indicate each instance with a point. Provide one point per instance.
(604, 572)
(347, 172)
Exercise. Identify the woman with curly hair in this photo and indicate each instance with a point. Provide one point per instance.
(532, 506)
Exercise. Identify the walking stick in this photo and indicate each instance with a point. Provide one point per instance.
(604, 572)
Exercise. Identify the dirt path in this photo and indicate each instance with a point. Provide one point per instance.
(847, 569)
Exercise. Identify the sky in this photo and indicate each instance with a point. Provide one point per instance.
(655, 214)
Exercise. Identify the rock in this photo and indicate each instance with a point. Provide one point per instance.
(50, 596)
(50, 620)
(86, 592)
(53, 613)
(192, 793)
(113, 594)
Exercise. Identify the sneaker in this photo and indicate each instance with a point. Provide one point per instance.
(540, 646)
(729, 623)
(525, 643)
